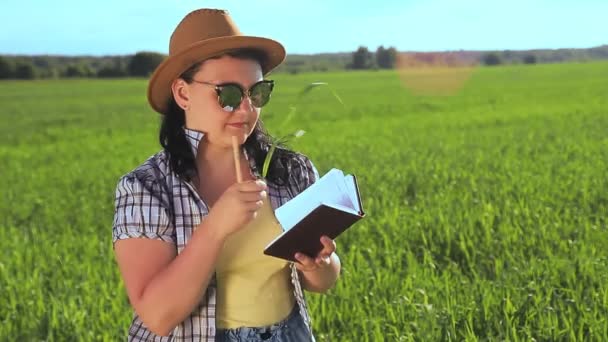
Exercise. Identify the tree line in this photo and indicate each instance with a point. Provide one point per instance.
(143, 63)
(140, 64)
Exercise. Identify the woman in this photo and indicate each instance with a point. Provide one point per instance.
(187, 236)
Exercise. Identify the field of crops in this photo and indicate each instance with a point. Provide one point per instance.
(487, 205)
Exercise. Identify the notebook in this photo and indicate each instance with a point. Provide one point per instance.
(329, 206)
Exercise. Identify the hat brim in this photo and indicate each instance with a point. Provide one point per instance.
(159, 86)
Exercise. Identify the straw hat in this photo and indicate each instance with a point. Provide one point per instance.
(202, 34)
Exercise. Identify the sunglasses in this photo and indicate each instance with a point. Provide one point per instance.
(230, 95)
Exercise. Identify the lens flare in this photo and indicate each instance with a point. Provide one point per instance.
(435, 73)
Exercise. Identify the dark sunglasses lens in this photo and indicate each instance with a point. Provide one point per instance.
(230, 96)
(260, 94)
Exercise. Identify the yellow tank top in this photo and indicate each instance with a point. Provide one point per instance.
(253, 289)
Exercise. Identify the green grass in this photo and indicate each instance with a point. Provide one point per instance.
(487, 209)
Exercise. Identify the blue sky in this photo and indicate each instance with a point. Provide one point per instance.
(124, 27)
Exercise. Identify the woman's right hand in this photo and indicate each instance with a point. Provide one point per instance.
(237, 206)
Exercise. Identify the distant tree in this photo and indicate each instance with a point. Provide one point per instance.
(386, 58)
(362, 58)
(25, 70)
(7, 69)
(41, 62)
(381, 56)
(491, 59)
(48, 72)
(600, 52)
(111, 71)
(116, 68)
(529, 59)
(319, 67)
(75, 71)
(89, 71)
(392, 57)
(142, 64)
(52, 72)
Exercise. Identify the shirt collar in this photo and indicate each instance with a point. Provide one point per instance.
(194, 138)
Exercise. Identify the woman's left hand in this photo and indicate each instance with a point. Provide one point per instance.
(308, 264)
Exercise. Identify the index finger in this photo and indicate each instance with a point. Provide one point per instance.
(252, 186)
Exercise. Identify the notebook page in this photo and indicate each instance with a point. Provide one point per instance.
(352, 192)
(339, 192)
(343, 208)
(326, 189)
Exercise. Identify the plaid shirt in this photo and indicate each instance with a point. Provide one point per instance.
(152, 202)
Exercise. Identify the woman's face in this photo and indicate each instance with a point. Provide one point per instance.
(203, 112)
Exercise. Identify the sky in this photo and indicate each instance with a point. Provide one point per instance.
(113, 27)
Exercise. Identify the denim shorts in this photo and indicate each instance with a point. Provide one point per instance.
(291, 329)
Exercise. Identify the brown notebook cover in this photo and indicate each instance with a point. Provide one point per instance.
(305, 236)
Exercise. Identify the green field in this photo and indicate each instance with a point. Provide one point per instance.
(487, 209)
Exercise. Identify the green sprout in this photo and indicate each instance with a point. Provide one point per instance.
(313, 85)
(298, 133)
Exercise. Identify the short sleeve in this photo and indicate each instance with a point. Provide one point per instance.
(138, 212)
